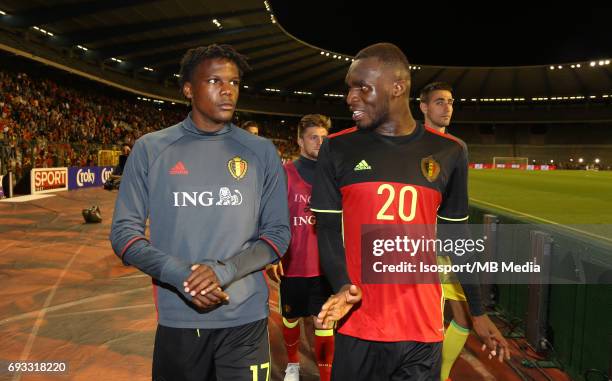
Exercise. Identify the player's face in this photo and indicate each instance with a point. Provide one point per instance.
(310, 142)
(439, 110)
(213, 90)
(253, 130)
(369, 91)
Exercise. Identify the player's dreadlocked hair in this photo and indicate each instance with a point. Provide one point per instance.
(195, 56)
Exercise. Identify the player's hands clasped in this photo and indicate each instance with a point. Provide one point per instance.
(204, 287)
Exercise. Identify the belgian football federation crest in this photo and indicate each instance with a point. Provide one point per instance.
(430, 168)
(237, 167)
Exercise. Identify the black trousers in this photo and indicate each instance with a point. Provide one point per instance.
(356, 360)
(236, 353)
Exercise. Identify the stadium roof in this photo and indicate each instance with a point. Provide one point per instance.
(138, 44)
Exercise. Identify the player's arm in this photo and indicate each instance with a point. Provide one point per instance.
(274, 233)
(452, 224)
(326, 203)
(129, 222)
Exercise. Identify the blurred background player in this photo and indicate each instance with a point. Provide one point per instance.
(303, 289)
(251, 126)
(436, 103)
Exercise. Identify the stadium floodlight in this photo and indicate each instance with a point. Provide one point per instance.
(559, 67)
(580, 160)
(551, 161)
(3, 13)
(552, 67)
(571, 160)
(601, 62)
(607, 62)
(577, 65)
(593, 63)
(597, 161)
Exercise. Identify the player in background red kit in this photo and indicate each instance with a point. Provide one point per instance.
(303, 289)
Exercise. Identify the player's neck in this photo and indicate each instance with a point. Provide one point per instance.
(307, 159)
(440, 129)
(400, 123)
(205, 124)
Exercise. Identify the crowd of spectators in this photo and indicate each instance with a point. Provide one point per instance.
(46, 124)
(48, 121)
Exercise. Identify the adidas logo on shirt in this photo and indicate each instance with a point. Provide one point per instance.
(179, 169)
(362, 166)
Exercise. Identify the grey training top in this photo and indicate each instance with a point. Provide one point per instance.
(210, 198)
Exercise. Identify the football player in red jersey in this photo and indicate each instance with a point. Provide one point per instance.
(389, 170)
(303, 289)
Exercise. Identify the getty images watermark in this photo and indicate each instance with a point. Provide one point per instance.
(498, 253)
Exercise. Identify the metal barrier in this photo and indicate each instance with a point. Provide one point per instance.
(573, 320)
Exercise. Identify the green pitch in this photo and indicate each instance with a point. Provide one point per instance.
(563, 197)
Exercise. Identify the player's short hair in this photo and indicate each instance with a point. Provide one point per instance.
(388, 53)
(195, 56)
(250, 123)
(313, 120)
(431, 87)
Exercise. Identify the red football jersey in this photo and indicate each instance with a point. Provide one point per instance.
(380, 180)
(302, 257)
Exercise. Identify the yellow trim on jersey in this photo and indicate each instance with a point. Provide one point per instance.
(454, 291)
(289, 324)
(325, 211)
(324, 332)
(454, 219)
(450, 290)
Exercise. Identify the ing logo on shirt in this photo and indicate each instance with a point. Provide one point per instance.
(237, 167)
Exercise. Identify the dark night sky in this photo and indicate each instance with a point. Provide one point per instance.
(452, 33)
